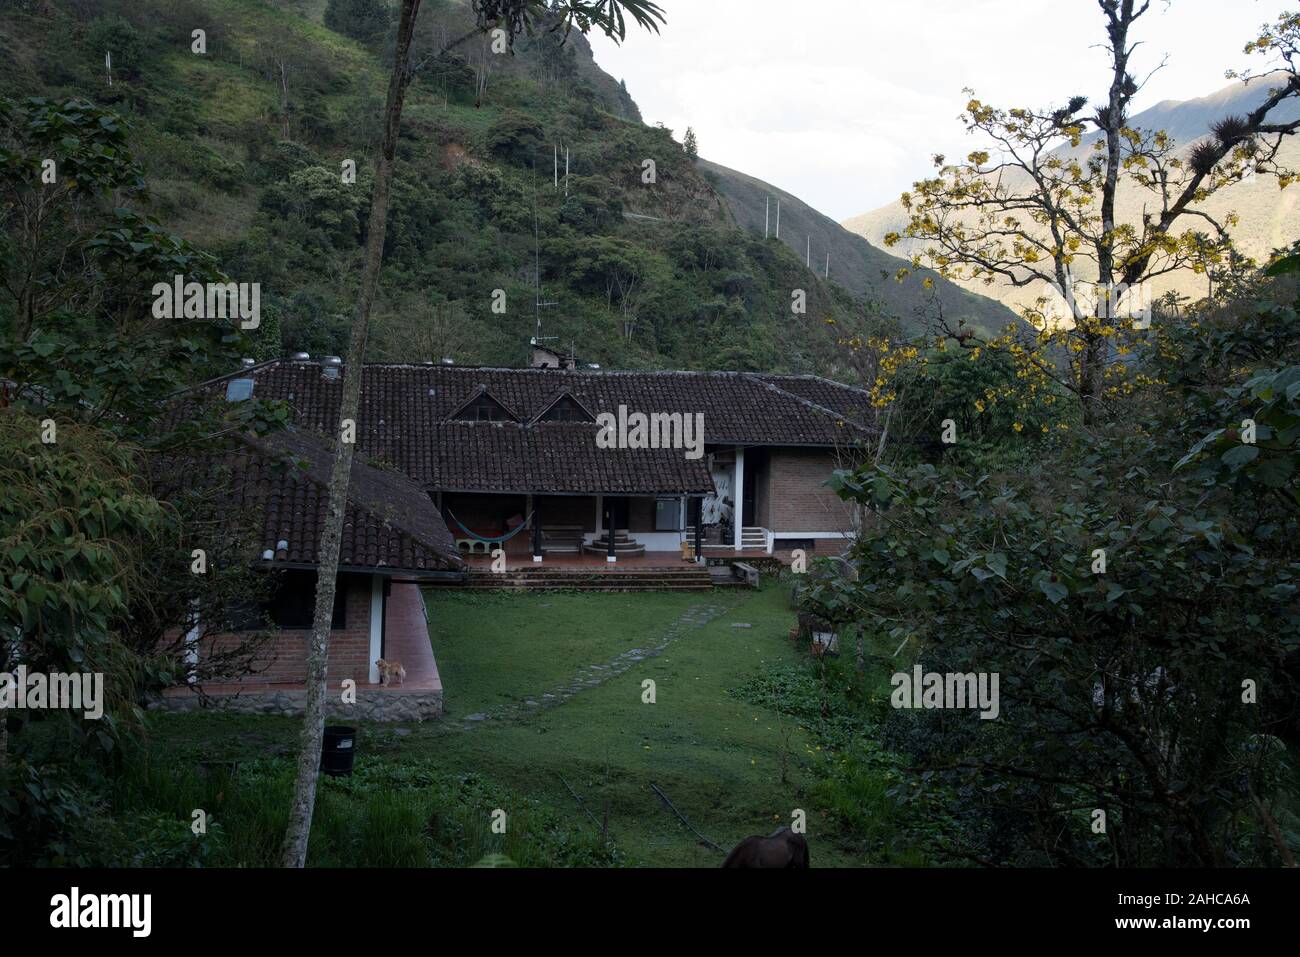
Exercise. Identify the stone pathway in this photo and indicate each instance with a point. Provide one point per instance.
(693, 619)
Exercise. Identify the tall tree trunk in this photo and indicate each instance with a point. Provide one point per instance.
(1120, 15)
(294, 853)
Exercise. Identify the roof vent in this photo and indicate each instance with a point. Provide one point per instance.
(301, 357)
(248, 363)
(593, 367)
(282, 546)
(331, 361)
(448, 361)
(268, 555)
(239, 390)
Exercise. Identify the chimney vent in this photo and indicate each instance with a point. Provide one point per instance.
(301, 357)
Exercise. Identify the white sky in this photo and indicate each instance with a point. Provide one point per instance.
(842, 102)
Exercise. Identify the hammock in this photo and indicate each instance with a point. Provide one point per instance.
(490, 541)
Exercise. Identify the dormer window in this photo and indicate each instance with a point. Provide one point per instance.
(566, 409)
(483, 408)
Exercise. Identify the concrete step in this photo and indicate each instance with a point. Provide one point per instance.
(611, 579)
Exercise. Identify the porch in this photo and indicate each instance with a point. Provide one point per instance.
(396, 629)
(582, 531)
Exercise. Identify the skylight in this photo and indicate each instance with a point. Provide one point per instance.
(239, 390)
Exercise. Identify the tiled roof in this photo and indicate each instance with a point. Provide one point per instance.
(282, 480)
(853, 404)
(404, 421)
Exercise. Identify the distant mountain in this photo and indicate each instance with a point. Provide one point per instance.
(1270, 217)
(855, 263)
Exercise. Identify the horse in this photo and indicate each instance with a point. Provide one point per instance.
(782, 848)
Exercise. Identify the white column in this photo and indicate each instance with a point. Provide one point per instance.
(740, 494)
(376, 625)
(191, 646)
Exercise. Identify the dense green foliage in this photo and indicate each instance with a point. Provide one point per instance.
(1137, 600)
(244, 148)
(95, 571)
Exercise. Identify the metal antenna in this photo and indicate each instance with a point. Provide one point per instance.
(538, 305)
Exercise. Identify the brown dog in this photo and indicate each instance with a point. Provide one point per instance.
(783, 848)
(389, 670)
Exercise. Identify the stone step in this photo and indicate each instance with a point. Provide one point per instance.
(625, 549)
(613, 587)
(614, 579)
(623, 576)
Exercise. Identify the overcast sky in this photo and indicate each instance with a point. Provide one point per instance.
(842, 102)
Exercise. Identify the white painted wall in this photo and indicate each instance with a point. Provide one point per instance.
(376, 624)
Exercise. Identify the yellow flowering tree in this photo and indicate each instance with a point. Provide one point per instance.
(1035, 209)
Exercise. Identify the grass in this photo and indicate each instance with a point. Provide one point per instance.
(732, 768)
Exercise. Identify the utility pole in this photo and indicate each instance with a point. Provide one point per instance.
(778, 219)
(807, 262)
(828, 265)
(538, 305)
(767, 219)
(566, 172)
(556, 159)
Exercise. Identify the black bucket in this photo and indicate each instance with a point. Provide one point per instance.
(338, 751)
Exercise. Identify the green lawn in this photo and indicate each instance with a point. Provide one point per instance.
(719, 760)
(731, 768)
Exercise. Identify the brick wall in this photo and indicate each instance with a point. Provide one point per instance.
(487, 515)
(797, 502)
(568, 510)
(284, 657)
(640, 515)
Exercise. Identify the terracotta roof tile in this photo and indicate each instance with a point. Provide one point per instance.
(405, 412)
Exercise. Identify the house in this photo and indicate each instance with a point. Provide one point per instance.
(547, 463)
(393, 541)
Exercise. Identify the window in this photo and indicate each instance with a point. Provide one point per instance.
(293, 603)
(239, 390)
(484, 409)
(565, 409)
(668, 515)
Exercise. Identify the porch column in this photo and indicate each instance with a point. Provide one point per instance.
(376, 625)
(600, 513)
(740, 495)
(537, 529)
(699, 530)
(612, 557)
(191, 646)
